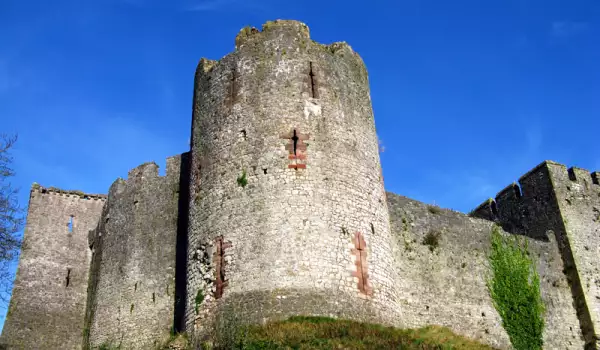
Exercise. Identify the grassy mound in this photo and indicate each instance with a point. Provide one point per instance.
(329, 333)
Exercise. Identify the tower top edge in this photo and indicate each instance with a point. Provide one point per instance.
(280, 25)
(35, 187)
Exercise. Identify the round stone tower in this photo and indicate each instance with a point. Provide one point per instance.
(288, 214)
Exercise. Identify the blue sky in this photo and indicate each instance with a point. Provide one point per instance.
(468, 95)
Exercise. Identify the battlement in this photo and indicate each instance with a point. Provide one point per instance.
(37, 188)
(133, 266)
(270, 27)
(149, 170)
(524, 189)
(552, 200)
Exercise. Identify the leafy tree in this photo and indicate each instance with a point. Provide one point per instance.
(11, 219)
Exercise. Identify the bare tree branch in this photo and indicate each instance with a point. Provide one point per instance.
(11, 216)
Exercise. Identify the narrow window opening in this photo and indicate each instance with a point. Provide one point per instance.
(313, 86)
(135, 287)
(295, 140)
(372, 229)
(243, 134)
(154, 298)
(494, 209)
(572, 176)
(517, 190)
(265, 171)
(70, 224)
(233, 85)
(68, 278)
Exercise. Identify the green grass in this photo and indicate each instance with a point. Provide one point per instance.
(328, 333)
(515, 290)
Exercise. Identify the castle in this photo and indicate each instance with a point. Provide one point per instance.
(279, 209)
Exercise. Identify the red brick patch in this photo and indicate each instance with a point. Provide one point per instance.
(362, 266)
(296, 148)
(219, 261)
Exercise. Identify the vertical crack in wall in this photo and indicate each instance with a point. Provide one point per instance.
(219, 260)
(68, 278)
(233, 89)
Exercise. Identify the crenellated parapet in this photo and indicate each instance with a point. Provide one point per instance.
(37, 188)
(133, 281)
(552, 199)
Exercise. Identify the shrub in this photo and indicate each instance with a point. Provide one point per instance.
(432, 239)
(515, 290)
(242, 180)
(434, 209)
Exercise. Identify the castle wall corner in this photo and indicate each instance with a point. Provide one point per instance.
(47, 306)
(578, 198)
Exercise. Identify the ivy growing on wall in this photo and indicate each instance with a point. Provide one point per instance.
(198, 300)
(515, 290)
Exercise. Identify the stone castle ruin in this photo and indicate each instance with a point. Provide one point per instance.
(279, 209)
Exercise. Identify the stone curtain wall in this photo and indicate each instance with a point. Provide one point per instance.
(285, 173)
(132, 284)
(47, 306)
(443, 282)
(530, 208)
(578, 194)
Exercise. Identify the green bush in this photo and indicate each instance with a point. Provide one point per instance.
(515, 290)
(242, 180)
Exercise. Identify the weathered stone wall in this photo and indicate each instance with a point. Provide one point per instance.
(530, 208)
(444, 282)
(47, 307)
(309, 232)
(578, 194)
(132, 286)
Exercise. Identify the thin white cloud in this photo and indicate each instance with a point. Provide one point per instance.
(567, 29)
(229, 5)
(210, 5)
(8, 80)
(89, 151)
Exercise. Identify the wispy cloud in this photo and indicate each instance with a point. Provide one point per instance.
(8, 80)
(567, 29)
(210, 5)
(229, 5)
(90, 151)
